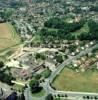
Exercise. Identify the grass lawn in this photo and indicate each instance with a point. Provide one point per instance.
(67, 20)
(39, 94)
(69, 80)
(46, 73)
(9, 38)
(36, 39)
(18, 87)
(52, 30)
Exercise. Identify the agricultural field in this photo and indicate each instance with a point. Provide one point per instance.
(9, 39)
(69, 80)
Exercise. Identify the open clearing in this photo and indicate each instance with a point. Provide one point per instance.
(8, 36)
(69, 80)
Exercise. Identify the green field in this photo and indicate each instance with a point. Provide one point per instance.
(9, 38)
(69, 80)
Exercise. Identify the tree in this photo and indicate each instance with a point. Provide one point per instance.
(34, 85)
(49, 97)
(96, 98)
(59, 58)
(6, 78)
(21, 97)
(54, 23)
(37, 76)
(1, 64)
(93, 26)
(66, 95)
(56, 28)
(93, 31)
(46, 73)
(88, 97)
(40, 56)
(7, 13)
(72, 48)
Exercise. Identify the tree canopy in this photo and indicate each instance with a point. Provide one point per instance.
(49, 97)
(34, 85)
(56, 28)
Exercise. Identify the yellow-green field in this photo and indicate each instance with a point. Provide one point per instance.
(8, 36)
(69, 80)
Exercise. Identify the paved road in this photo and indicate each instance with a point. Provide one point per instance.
(70, 93)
